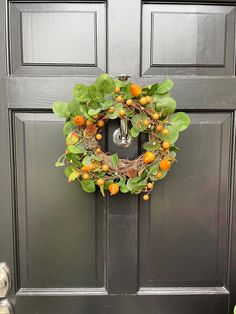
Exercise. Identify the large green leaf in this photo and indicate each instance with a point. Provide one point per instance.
(180, 121)
(114, 159)
(171, 137)
(69, 127)
(93, 112)
(164, 87)
(107, 104)
(165, 104)
(95, 94)
(60, 109)
(88, 186)
(76, 149)
(134, 132)
(149, 146)
(105, 84)
(137, 122)
(73, 107)
(81, 92)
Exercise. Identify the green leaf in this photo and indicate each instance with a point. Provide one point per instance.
(171, 137)
(84, 111)
(81, 92)
(151, 89)
(88, 186)
(105, 84)
(95, 94)
(86, 160)
(124, 189)
(68, 127)
(180, 121)
(74, 175)
(134, 132)
(59, 164)
(72, 138)
(137, 122)
(76, 149)
(114, 159)
(165, 104)
(107, 183)
(73, 107)
(164, 87)
(119, 83)
(69, 170)
(93, 112)
(60, 109)
(106, 104)
(115, 114)
(149, 146)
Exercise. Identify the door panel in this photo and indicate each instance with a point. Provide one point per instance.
(184, 227)
(49, 38)
(197, 39)
(60, 227)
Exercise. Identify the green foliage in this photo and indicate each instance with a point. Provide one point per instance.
(94, 103)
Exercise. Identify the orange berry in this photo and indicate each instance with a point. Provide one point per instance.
(119, 98)
(105, 167)
(148, 157)
(98, 137)
(79, 120)
(159, 175)
(113, 188)
(166, 144)
(135, 90)
(146, 197)
(155, 116)
(146, 122)
(165, 132)
(165, 164)
(91, 166)
(85, 168)
(88, 122)
(117, 90)
(159, 127)
(150, 185)
(148, 99)
(111, 109)
(100, 182)
(100, 123)
(129, 102)
(143, 101)
(85, 176)
(121, 112)
(98, 150)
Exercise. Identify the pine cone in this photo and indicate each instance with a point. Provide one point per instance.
(131, 173)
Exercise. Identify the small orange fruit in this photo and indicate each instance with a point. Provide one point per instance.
(100, 182)
(95, 116)
(165, 132)
(105, 167)
(100, 123)
(129, 102)
(135, 90)
(165, 164)
(148, 99)
(121, 112)
(150, 185)
(79, 120)
(85, 168)
(166, 144)
(111, 109)
(159, 127)
(88, 122)
(113, 188)
(146, 197)
(146, 122)
(143, 101)
(155, 116)
(98, 137)
(98, 150)
(119, 98)
(159, 175)
(91, 166)
(117, 90)
(85, 176)
(148, 157)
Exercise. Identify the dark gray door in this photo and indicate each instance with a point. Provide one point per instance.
(70, 252)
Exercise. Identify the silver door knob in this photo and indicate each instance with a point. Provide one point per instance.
(5, 280)
(6, 307)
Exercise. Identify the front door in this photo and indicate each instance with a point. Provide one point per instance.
(69, 252)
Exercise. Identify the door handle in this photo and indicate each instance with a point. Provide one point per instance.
(6, 307)
(5, 280)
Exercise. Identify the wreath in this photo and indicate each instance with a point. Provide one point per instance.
(149, 109)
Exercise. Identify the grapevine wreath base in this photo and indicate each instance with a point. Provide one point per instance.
(148, 109)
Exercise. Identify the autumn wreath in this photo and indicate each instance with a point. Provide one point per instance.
(147, 110)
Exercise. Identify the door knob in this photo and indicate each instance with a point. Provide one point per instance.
(6, 307)
(5, 280)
